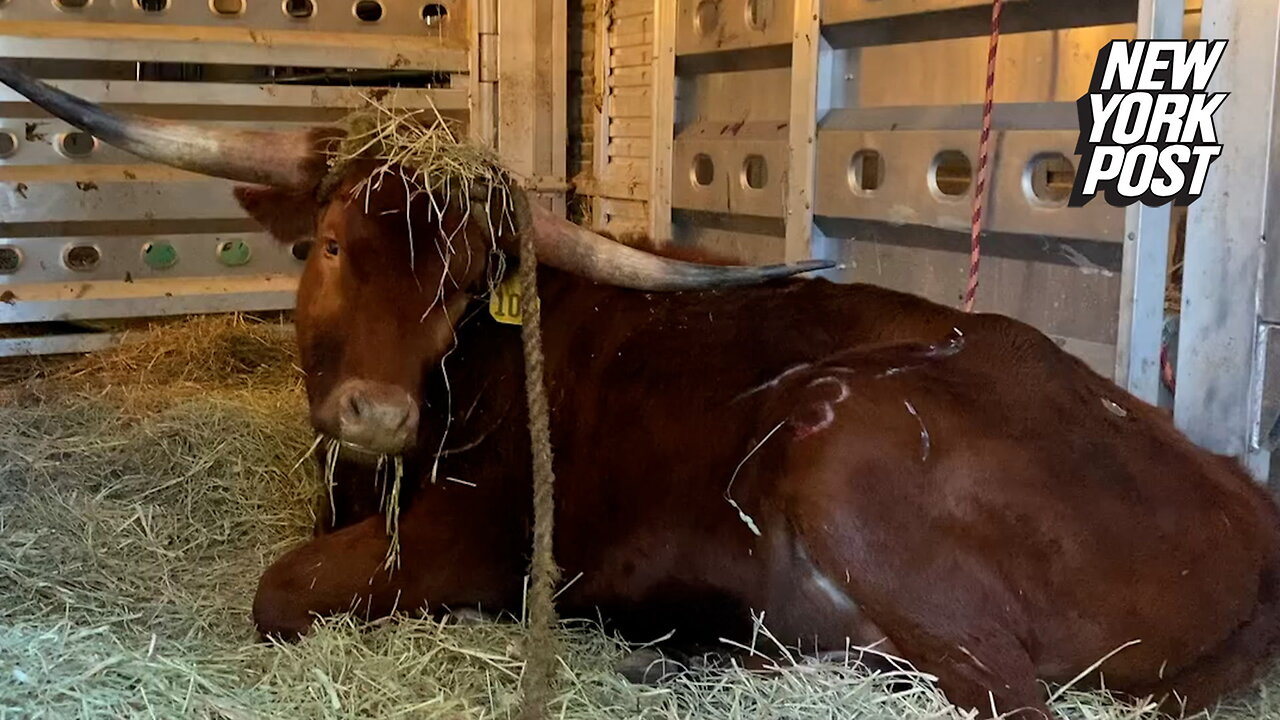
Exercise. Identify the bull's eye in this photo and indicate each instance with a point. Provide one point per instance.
(331, 247)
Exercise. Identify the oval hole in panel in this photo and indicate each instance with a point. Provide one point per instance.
(76, 144)
(950, 174)
(755, 172)
(299, 9)
(159, 255)
(71, 5)
(301, 249)
(234, 253)
(82, 258)
(227, 8)
(434, 14)
(866, 171)
(152, 6)
(1049, 179)
(369, 11)
(10, 259)
(706, 17)
(8, 144)
(759, 13)
(703, 171)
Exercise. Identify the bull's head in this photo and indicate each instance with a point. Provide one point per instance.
(377, 303)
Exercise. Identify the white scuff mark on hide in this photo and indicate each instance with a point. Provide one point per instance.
(924, 431)
(747, 519)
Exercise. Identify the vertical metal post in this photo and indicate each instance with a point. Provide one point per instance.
(482, 119)
(531, 94)
(664, 118)
(557, 114)
(1220, 370)
(602, 108)
(815, 89)
(1146, 251)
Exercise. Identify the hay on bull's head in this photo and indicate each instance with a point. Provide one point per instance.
(427, 154)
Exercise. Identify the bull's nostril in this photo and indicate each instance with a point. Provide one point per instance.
(353, 406)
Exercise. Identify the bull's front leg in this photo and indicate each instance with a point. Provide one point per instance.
(444, 565)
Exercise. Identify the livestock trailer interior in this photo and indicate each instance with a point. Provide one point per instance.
(153, 408)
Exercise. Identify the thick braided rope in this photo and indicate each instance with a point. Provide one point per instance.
(984, 158)
(538, 681)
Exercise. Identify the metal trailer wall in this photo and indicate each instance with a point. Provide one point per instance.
(849, 129)
(859, 141)
(88, 232)
(1228, 395)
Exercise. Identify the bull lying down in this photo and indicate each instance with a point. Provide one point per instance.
(857, 464)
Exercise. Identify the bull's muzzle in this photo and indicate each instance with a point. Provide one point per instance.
(370, 417)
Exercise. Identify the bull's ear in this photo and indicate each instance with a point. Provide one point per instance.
(288, 215)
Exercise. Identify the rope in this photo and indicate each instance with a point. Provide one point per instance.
(984, 157)
(540, 651)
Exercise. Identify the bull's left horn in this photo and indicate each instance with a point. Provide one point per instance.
(573, 248)
(287, 159)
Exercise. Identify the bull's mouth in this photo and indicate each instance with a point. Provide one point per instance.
(356, 453)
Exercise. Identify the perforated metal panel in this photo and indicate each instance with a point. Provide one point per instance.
(849, 129)
(90, 232)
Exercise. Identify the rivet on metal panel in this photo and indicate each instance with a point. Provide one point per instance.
(234, 252)
(8, 144)
(1048, 179)
(71, 5)
(298, 9)
(159, 255)
(76, 145)
(369, 11)
(706, 17)
(82, 258)
(434, 14)
(950, 174)
(755, 172)
(10, 259)
(151, 6)
(301, 249)
(703, 170)
(227, 8)
(759, 13)
(866, 172)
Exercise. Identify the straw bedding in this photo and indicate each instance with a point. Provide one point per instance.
(143, 490)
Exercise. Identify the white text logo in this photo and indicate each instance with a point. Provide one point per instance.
(1146, 124)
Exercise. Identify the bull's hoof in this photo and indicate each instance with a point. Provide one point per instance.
(648, 667)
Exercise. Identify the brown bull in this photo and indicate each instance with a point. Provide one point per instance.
(853, 462)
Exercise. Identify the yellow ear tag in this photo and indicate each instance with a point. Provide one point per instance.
(505, 302)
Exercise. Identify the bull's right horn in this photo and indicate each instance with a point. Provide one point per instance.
(286, 159)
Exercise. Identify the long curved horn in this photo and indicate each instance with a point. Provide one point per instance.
(573, 248)
(287, 159)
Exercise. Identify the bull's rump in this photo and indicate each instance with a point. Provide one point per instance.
(1082, 511)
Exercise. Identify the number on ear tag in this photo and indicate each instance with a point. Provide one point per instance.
(504, 303)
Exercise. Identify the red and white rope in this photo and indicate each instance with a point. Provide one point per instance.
(984, 158)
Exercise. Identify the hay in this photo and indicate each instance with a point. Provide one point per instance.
(426, 153)
(136, 517)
